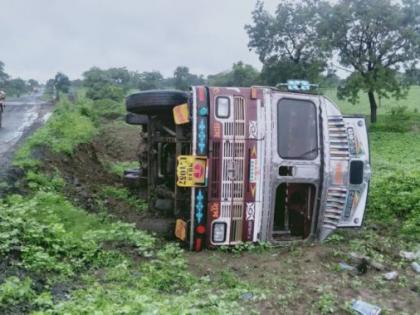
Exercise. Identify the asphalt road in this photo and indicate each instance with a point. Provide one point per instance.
(21, 118)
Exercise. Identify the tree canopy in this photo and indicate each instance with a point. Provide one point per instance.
(287, 43)
(240, 75)
(376, 38)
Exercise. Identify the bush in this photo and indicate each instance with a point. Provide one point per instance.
(398, 120)
(397, 197)
(108, 108)
(107, 91)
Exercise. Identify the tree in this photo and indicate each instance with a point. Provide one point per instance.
(61, 84)
(3, 75)
(33, 84)
(120, 77)
(240, 75)
(149, 80)
(183, 79)
(16, 87)
(288, 44)
(375, 38)
(412, 76)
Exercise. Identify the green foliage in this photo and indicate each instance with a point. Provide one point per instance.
(398, 120)
(108, 108)
(183, 79)
(375, 38)
(398, 196)
(240, 75)
(118, 168)
(14, 291)
(394, 195)
(149, 80)
(61, 84)
(15, 87)
(67, 128)
(106, 91)
(123, 194)
(288, 44)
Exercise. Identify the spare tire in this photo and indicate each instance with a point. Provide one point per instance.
(155, 101)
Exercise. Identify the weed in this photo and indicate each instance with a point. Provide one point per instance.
(123, 194)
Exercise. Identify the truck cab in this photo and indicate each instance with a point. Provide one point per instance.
(235, 165)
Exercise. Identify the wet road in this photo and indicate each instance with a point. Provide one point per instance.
(20, 119)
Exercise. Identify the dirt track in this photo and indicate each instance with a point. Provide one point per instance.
(20, 119)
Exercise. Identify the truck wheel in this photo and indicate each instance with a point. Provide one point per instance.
(155, 101)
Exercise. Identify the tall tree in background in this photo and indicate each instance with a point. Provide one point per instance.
(287, 43)
(3, 75)
(33, 84)
(183, 79)
(149, 80)
(61, 84)
(16, 87)
(375, 38)
(240, 75)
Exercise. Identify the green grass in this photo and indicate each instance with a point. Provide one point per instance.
(122, 194)
(412, 102)
(68, 127)
(118, 168)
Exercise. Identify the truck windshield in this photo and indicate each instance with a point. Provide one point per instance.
(297, 132)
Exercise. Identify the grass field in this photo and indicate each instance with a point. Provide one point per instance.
(412, 102)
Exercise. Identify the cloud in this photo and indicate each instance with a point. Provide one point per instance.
(41, 37)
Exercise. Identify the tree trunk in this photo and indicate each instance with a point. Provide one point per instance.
(373, 106)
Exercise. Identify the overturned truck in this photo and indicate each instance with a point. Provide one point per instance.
(252, 164)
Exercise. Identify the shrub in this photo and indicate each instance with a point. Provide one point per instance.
(397, 196)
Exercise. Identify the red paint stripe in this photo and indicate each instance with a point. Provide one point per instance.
(201, 94)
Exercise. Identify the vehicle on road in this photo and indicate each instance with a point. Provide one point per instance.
(254, 164)
(2, 100)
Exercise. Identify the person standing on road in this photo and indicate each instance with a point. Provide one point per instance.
(2, 99)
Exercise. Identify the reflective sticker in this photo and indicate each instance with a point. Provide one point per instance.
(191, 171)
(339, 176)
(253, 187)
(253, 130)
(254, 152)
(217, 130)
(181, 114)
(181, 229)
(253, 170)
(215, 210)
(202, 135)
(201, 94)
(250, 211)
(199, 207)
(203, 111)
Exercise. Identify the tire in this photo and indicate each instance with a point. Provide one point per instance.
(136, 119)
(155, 101)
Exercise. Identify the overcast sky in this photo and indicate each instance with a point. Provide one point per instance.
(41, 37)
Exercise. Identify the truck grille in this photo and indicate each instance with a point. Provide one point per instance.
(339, 146)
(234, 212)
(233, 170)
(336, 201)
(339, 151)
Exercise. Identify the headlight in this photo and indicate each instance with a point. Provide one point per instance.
(219, 232)
(222, 107)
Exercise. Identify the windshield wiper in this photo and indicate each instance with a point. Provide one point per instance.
(306, 153)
